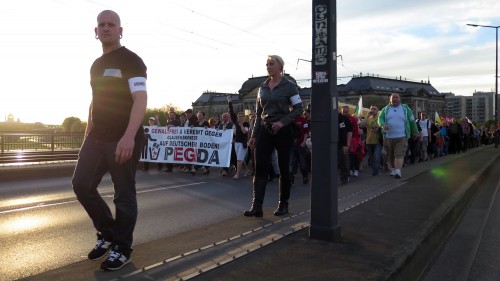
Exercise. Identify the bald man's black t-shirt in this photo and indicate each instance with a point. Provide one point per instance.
(111, 98)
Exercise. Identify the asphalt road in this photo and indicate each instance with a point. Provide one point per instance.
(43, 226)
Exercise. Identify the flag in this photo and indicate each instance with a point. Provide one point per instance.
(359, 108)
(437, 119)
(470, 122)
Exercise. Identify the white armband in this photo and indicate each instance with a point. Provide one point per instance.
(295, 100)
(137, 84)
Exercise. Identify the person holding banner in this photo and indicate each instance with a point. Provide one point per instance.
(240, 139)
(273, 130)
(200, 122)
(172, 122)
(226, 124)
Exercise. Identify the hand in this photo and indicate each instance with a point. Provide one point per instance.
(124, 150)
(276, 126)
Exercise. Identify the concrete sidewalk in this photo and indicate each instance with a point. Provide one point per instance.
(391, 237)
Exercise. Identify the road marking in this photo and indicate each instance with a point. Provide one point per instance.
(43, 205)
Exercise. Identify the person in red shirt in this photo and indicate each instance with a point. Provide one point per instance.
(299, 150)
(356, 150)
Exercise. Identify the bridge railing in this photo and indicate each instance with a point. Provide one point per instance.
(39, 141)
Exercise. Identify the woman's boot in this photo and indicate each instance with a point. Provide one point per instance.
(282, 208)
(259, 189)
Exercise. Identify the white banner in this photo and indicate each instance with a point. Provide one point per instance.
(185, 145)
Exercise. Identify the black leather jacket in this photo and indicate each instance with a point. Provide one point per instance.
(273, 106)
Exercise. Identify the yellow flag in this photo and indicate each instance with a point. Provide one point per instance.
(437, 119)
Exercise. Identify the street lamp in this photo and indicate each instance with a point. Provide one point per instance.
(496, 76)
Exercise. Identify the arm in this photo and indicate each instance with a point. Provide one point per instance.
(125, 147)
(258, 118)
(257, 123)
(413, 125)
(234, 117)
(89, 122)
(296, 103)
(381, 118)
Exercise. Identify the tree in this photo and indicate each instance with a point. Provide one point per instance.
(161, 113)
(72, 124)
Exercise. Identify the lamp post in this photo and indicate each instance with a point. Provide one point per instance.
(496, 77)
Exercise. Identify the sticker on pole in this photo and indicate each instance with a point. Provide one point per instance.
(320, 77)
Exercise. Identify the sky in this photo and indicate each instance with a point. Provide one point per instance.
(194, 46)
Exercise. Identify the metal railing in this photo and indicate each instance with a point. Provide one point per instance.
(39, 141)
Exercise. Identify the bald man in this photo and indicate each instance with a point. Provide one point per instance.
(113, 142)
(398, 124)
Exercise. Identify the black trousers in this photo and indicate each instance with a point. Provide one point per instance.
(266, 143)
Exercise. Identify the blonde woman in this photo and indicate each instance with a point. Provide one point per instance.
(272, 130)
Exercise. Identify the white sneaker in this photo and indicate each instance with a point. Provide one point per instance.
(397, 174)
(393, 172)
(356, 173)
(351, 172)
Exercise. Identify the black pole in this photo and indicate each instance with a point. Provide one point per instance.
(324, 123)
(496, 136)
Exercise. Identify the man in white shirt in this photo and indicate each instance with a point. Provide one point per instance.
(398, 124)
(423, 142)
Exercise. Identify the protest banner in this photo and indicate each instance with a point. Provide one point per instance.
(185, 145)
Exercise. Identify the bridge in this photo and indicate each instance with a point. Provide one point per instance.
(192, 228)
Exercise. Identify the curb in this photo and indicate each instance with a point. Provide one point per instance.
(411, 260)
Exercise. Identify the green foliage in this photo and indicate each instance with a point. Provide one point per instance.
(72, 124)
(161, 114)
(156, 113)
(488, 124)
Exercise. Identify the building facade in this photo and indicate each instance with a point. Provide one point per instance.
(213, 103)
(376, 90)
(420, 96)
(479, 107)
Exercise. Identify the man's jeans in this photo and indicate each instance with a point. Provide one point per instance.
(375, 152)
(96, 158)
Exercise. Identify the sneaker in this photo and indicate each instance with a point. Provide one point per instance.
(356, 173)
(101, 248)
(351, 173)
(223, 173)
(398, 174)
(116, 260)
(393, 172)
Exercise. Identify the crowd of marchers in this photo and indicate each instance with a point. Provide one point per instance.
(242, 156)
(362, 140)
